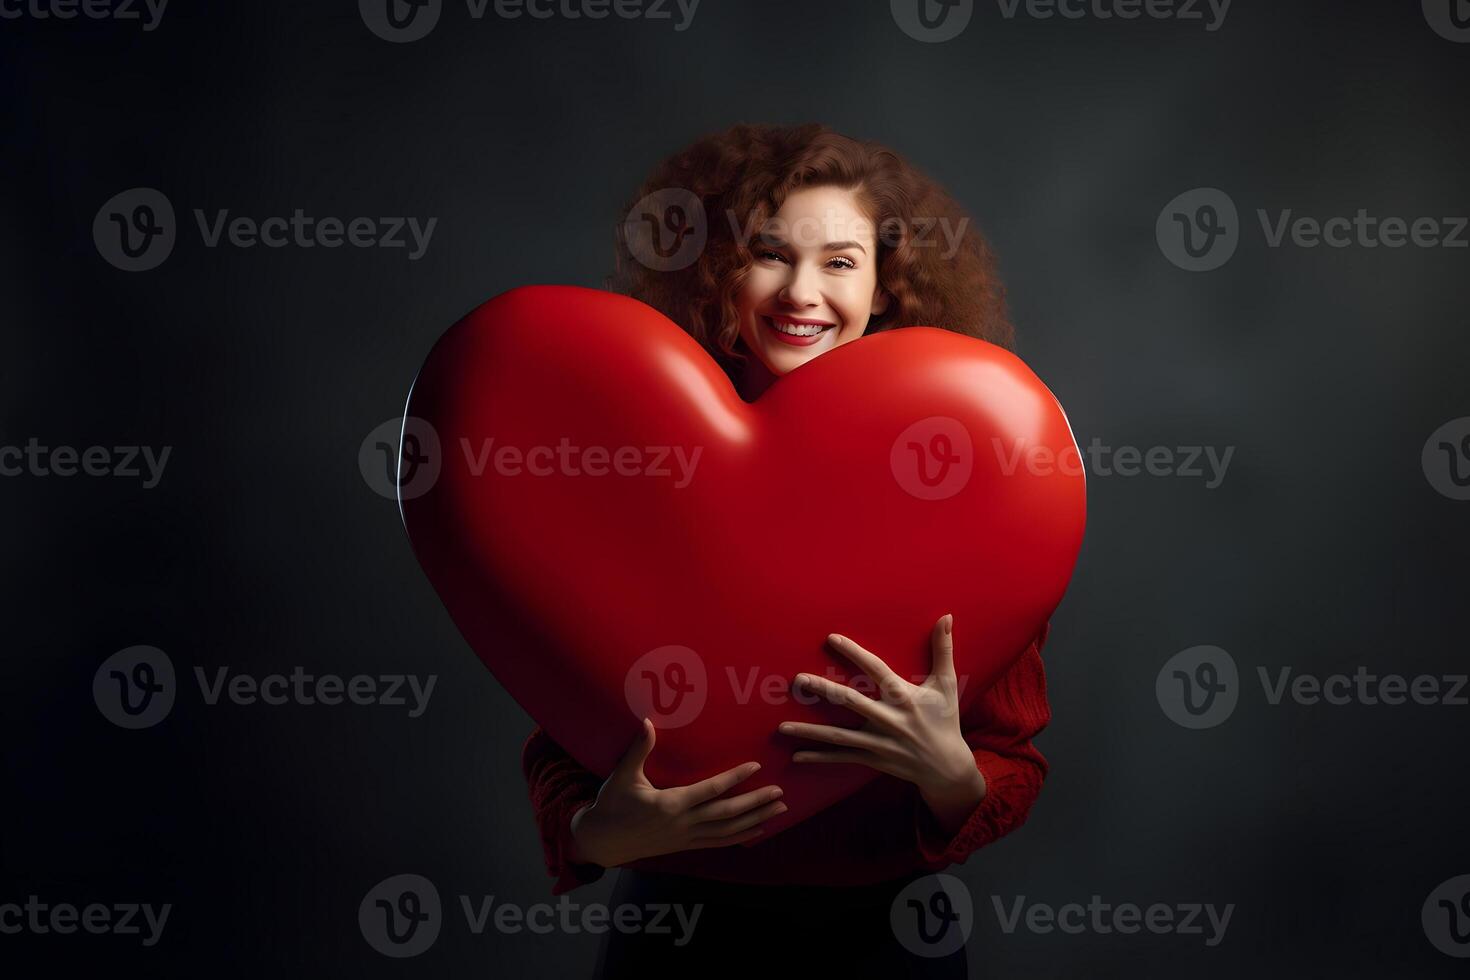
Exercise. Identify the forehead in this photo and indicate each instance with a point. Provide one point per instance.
(814, 216)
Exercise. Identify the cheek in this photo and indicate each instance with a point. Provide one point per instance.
(754, 293)
(854, 303)
(760, 286)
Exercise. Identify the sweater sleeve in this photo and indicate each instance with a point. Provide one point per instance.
(559, 787)
(999, 726)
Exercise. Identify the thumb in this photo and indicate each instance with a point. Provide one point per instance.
(631, 766)
(943, 646)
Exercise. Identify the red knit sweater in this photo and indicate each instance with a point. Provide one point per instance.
(882, 831)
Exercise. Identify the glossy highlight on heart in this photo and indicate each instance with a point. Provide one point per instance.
(616, 533)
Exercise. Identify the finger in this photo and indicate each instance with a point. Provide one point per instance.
(705, 790)
(631, 764)
(871, 664)
(846, 697)
(734, 825)
(834, 735)
(942, 643)
(856, 757)
(739, 838)
(735, 805)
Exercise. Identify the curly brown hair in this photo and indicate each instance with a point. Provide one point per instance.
(743, 174)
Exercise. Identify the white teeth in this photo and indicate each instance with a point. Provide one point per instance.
(798, 329)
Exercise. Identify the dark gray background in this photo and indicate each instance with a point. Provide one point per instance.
(1325, 547)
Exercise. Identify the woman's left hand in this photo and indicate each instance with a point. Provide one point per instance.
(911, 731)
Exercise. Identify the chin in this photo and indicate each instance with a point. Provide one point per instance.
(781, 362)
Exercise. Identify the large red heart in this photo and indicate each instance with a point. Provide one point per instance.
(602, 576)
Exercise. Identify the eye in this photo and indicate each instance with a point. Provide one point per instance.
(767, 253)
(847, 263)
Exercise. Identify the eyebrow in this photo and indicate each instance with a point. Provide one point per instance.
(777, 240)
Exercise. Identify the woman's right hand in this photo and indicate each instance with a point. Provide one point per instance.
(631, 819)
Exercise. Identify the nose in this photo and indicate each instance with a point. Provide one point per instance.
(801, 287)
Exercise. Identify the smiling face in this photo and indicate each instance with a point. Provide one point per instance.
(813, 281)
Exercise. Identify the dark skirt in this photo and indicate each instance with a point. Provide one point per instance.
(769, 930)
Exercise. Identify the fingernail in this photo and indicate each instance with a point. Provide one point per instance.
(780, 808)
(834, 637)
(948, 623)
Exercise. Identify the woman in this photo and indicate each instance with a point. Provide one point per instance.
(813, 240)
